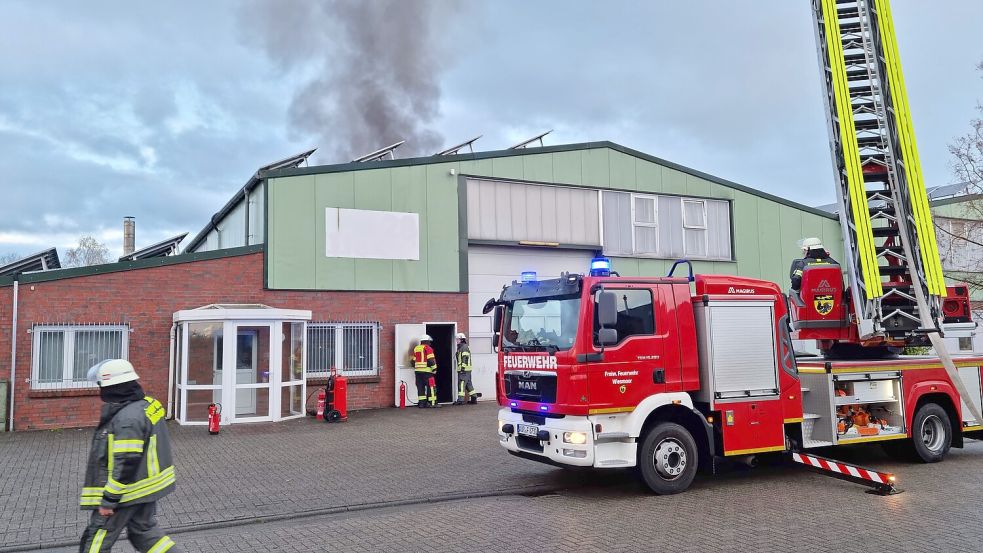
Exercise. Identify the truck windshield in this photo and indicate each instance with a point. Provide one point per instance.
(541, 324)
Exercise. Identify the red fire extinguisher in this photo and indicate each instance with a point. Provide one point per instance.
(322, 399)
(402, 395)
(214, 417)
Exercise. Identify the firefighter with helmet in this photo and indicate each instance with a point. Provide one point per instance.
(813, 253)
(130, 465)
(465, 389)
(425, 368)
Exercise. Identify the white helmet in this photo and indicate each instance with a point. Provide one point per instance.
(461, 336)
(810, 244)
(112, 372)
(425, 338)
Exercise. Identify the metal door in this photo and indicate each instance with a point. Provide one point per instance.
(407, 338)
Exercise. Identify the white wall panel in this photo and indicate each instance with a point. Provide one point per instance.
(514, 212)
(367, 234)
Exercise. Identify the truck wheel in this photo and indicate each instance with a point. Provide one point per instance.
(931, 433)
(668, 459)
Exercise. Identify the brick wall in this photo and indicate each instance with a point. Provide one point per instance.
(146, 299)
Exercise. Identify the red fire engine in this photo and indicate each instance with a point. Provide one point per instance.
(670, 374)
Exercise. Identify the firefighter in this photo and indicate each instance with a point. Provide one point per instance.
(425, 367)
(130, 466)
(465, 389)
(813, 253)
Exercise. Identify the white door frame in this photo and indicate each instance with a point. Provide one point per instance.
(229, 386)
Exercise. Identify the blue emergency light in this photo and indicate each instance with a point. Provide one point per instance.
(528, 276)
(600, 266)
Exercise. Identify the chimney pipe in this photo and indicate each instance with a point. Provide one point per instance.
(129, 235)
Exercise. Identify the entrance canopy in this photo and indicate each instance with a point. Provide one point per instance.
(249, 358)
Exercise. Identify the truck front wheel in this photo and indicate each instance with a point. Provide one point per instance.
(668, 459)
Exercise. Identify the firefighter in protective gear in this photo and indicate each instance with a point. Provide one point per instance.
(465, 389)
(130, 466)
(813, 253)
(425, 368)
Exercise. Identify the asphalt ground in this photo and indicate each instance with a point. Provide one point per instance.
(438, 481)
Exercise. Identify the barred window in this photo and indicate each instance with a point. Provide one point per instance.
(352, 348)
(63, 354)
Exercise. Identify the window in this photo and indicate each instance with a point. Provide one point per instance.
(352, 348)
(966, 344)
(646, 226)
(636, 314)
(695, 228)
(62, 355)
(666, 227)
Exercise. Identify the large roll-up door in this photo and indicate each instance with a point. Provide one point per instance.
(490, 268)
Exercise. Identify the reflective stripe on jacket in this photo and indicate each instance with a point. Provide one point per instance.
(130, 459)
(423, 358)
(463, 357)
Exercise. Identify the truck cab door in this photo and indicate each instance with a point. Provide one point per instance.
(634, 367)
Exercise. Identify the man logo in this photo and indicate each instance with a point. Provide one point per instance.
(823, 304)
(527, 385)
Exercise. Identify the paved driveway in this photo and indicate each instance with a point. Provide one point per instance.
(361, 481)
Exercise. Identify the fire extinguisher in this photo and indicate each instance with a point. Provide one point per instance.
(214, 417)
(402, 395)
(322, 399)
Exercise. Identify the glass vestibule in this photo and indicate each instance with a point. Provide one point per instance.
(259, 375)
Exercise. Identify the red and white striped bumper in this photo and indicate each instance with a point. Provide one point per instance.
(882, 482)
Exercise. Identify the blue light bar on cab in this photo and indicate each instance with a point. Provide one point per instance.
(528, 276)
(600, 266)
(543, 408)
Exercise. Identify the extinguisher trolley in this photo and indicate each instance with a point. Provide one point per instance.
(336, 398)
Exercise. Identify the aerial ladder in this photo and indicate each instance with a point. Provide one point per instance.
(894, 271)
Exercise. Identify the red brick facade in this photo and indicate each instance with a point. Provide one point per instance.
(146, 299)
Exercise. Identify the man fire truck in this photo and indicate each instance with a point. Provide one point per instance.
(668, 374)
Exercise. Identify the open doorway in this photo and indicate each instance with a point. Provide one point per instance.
(444, 350)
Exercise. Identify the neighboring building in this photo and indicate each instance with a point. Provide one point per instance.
(959, 223)
(358, 259)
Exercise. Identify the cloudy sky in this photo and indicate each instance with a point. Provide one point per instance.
(163, 110)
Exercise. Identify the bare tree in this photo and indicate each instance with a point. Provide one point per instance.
(961, 236)
(89, 252)
(8, 258)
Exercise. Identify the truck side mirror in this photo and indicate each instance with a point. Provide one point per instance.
(607, 336)
(607, 309)
(497, 328)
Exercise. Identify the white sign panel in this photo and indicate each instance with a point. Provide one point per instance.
(365, 234)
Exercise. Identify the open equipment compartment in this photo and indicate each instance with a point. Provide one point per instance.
(867, 406)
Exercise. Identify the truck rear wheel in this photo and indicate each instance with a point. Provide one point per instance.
(931, 437)
(668, 459)
(931, 433)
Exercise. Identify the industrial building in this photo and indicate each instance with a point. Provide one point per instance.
(344, 266)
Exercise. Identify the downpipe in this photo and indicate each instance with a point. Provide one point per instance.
(13, 356)
(170, 373)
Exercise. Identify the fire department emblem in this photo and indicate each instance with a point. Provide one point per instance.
(823, 304)
(623, 388)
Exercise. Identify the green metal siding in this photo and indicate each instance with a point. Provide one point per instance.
(765, 238)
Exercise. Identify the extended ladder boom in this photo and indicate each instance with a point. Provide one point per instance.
(892, 258)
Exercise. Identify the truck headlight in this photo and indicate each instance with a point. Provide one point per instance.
(578, 438)
(500, 423)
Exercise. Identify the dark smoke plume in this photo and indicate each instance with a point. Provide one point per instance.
(376, 67)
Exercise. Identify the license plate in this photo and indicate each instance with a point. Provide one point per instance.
(530, 430)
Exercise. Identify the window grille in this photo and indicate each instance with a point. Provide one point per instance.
(352, 348)
(63, 354)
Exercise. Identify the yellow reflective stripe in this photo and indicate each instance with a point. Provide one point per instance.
(148, 491)
(924, 228)
(153, 465)
(90, 501)
(162, 545)
(128, 446)
(109, 454)
(97, 541)
(851, 154)
(140, 485)
(114, 487)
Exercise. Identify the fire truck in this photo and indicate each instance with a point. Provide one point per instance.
(671, 374)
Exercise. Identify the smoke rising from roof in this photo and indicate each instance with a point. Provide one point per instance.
(376, 68)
